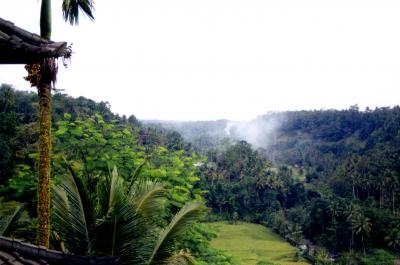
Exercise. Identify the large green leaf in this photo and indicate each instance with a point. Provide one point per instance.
(164, 246)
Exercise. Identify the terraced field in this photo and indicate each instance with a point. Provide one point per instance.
(252, 243)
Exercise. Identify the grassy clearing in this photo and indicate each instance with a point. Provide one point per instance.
(252, 243)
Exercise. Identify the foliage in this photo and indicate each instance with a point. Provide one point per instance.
(322, 257)
(22, 187)
(7, 130)
(9, 214)
(330, 161)
(93, 146)
(378, 256)
(15, 220)
(329, 176)
(119, 220)
(89, 141)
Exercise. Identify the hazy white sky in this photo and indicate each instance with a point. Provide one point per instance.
(211, 59)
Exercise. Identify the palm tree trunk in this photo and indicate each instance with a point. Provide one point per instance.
(43, 233)
(352, 239)
(44, 93)
(45, 19)
(362, 240)
(393, 209)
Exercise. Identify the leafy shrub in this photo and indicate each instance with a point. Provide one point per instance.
(322, 257)
(378, 256)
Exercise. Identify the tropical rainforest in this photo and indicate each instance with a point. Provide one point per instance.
(150, 192)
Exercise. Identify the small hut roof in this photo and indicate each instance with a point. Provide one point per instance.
(18, 46)
(15, 252)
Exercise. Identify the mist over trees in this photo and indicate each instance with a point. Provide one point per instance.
(328, 176)
(326, 181)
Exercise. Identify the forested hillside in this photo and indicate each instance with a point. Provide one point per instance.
(118, 187)
(331, 177)
(326, 181)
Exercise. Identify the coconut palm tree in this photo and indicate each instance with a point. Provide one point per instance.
(362, 226)
(352, 211)
(392, 186)
(41, 75)
(121, 219)
(393, 238)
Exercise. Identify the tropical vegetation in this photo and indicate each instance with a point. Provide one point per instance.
(327, 182)
(42, 75)
(148, 206)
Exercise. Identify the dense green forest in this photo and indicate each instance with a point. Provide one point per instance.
(326, 181)
(119, 188)
(329, 179)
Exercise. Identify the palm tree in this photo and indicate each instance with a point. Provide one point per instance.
(41, 75)
(352, 212)
(393, 238)
(322, 257)
(121, 219)
(335, 208)
(362, 226)
(350, 171)
(393, 184)
(6, 97)
(295, 232)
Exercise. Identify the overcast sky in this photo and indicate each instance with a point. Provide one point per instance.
(212, 59)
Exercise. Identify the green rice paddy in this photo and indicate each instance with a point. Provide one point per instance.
(252, 244)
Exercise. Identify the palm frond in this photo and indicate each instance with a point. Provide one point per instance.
(136, 175)
(69, 216)
(129, 234)
(187, 215)
(72, 8)
(120, 229)
(88, 199)
(148, 199)
(116, 189)
(109, 191)
(181, 258)
(9, 214)
(138, 222)
(111, 197)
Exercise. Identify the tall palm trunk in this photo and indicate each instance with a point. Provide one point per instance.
(41, 75)
(393, 199)
(43, 230)
(351, 240)
(44, 93)
(362, 240)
